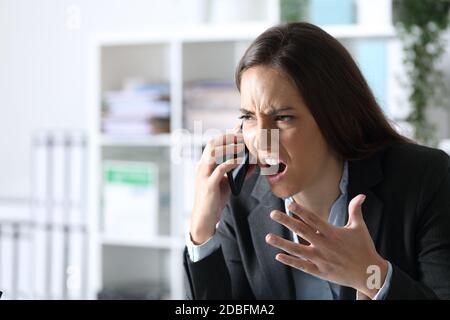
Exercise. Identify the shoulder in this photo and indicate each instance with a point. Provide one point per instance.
(413, 159)
(418, 172)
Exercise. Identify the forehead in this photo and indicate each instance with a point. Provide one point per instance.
(264, 87)
(265, 77)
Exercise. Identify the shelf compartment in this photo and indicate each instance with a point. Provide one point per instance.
(161, 242)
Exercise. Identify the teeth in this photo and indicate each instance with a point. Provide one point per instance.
(271, 161)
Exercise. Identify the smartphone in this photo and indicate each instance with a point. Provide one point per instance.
(236, 176)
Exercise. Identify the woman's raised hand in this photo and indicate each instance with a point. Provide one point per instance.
(212, 189)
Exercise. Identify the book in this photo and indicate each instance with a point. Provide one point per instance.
(130, 199)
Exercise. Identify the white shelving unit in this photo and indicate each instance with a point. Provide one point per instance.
(173, 55)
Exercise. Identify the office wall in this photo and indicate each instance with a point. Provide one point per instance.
(43, 67)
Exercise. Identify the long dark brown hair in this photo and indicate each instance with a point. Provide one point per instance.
(331, 84)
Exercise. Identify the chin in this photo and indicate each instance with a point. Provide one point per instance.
(281, 191)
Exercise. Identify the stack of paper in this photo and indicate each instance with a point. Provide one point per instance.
(214, 104)
(140, 110)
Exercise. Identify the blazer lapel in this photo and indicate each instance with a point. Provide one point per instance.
(364, 175)
(279, 277)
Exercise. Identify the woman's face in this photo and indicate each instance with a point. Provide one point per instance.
(270, 100)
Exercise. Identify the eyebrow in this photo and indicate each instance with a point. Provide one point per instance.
(272, 111)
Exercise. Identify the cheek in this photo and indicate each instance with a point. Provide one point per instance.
(304, 147)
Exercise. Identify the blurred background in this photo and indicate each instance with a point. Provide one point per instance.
(102, 108)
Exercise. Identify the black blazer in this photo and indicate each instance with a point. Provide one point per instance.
(407, 212)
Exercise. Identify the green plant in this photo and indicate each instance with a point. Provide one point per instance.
(421, 24)
(294, 10)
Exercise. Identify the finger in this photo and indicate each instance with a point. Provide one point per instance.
(221, 153)
(207, 159)
(208, 156)
(298, 263)
(228, 138)
(290, 247)
(296, 226)
(355, 215)
(223, 168)
(311, 219)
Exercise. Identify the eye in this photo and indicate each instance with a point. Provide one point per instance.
(284, 118)
(245, 117)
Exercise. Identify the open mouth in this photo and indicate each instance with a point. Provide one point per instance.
(273, 169)
(281, 167)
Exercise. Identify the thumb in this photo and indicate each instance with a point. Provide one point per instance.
(355, 211)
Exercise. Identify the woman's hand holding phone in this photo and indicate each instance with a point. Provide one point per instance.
(212, 189)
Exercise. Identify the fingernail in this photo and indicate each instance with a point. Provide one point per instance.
(274, 215)
(294, 207)
(363, 198)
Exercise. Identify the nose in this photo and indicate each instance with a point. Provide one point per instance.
(266, 142)
(262, 139)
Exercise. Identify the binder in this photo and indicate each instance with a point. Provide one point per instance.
(6, 267)
(1, 259)
(75, 271)
(57, 150)
(24, 281)
(59, 244)
(39, 262)
(56, 270)
(76, 173)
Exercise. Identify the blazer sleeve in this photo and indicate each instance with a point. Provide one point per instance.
(220, 275)
(432, 239)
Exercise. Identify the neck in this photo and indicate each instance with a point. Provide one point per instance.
(320, 196)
